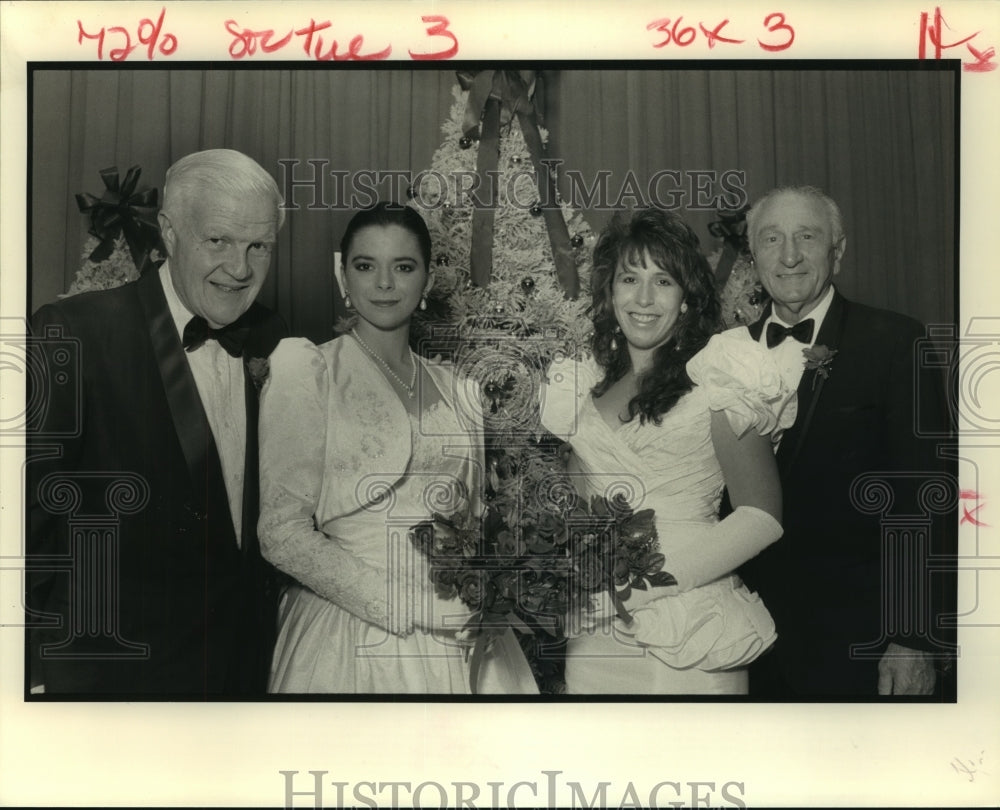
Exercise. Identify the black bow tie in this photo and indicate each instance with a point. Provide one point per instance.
(231, 338)
(802, 331)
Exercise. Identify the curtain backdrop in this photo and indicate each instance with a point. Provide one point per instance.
(881, 141)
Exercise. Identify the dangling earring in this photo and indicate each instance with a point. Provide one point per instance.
(684, 307)
(614, 343)
(423, 302)
(347, 300)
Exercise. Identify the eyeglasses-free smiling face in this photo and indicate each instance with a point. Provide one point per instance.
(796, 252)
(220, 250)
(385, 275)
(646, 301)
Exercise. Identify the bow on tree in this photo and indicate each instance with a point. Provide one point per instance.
(122, 210)
(731, 228)
(495, 98)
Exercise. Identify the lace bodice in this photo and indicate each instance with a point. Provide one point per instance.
(345, 472)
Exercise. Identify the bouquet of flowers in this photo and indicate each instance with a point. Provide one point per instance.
(532, 563)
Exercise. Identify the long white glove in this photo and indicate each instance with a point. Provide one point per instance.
(719, 626)
(721, 548)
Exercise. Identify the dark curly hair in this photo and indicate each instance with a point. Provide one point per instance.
(673, 247)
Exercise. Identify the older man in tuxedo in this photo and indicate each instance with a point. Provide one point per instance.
(145, 576)
(841, 632)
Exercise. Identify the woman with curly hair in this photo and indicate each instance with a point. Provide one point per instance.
(671, 413)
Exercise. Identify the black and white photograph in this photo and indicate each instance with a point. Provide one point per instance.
(422, 407)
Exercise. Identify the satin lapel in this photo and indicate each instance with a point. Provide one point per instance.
(811, 385)
(251, 474)
(188, 413)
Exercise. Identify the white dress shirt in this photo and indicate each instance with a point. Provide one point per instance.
(788, 354)
(219, 378)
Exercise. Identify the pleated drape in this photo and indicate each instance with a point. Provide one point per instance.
(880, 140)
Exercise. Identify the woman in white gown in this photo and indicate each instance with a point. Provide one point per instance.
(670, 414)
(361, 439)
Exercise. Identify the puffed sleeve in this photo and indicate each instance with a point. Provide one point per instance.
(293, 437)
(567, 382)
(741, 379)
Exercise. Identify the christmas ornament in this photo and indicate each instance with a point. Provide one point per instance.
(465, 142)
(441, 260)
(576, 241)
(535, 210)
(527, 284)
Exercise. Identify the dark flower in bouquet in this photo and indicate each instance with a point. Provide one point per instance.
(618, 550)
(530, 567)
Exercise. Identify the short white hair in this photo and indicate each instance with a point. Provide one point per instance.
(224, 169)
(833, 210)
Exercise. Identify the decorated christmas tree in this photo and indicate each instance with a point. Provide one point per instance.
(741, 294)
(511, 294)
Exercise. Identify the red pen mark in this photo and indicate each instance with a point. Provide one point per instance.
(438, 29)
(983, 63)
(715, 35)
(148, 33)
(151, 36)
(679, 36)
(353, 49)
(971, 516)
(776, 22)
(934, 31)
(246, 42)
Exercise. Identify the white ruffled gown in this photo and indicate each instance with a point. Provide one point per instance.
(699, 641)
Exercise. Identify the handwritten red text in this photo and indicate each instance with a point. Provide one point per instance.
(932, 30)
(148, 33)
(319, 42)
(780, 35)
(971, 515)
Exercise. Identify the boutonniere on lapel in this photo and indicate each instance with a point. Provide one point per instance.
(260, 369)
(819, 359)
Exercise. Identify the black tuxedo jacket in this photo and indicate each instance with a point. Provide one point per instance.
(137, 585)
(823, 580)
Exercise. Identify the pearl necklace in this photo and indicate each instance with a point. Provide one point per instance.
(413, 377)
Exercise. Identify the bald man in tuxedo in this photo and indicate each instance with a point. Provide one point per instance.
(839, 630)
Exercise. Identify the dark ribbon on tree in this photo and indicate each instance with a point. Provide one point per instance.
(495, 98)
(123, 210)
(731, 228)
